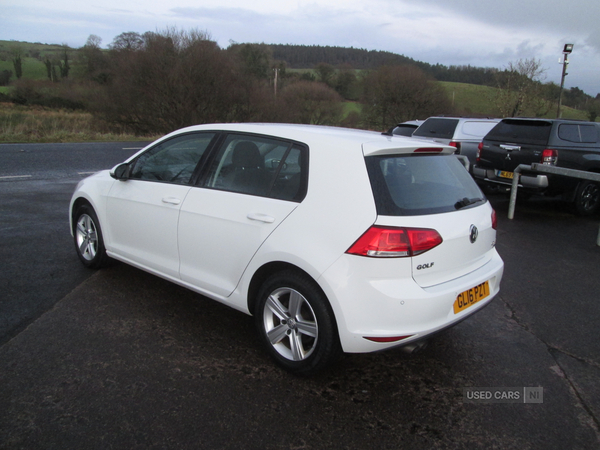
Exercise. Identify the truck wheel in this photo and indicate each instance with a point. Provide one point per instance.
(587, 198)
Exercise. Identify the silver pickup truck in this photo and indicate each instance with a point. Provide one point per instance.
(463, 133)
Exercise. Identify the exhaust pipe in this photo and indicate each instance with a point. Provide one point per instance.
(415, 347)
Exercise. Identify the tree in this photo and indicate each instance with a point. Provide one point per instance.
(346, 81)
(311, 103)
(63, 64)
(255, 59)
(394, 94)
(593, 109)
(92, 64)
(129, 40)
(174, 79)
(5, 77)
(48, 64)
(520, 89)
(17, 53)
(325, 73)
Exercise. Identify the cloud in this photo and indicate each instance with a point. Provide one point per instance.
(452, 32)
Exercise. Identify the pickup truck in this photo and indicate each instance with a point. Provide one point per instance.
(559, 142)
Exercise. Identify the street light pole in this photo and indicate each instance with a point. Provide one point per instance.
(566, 51)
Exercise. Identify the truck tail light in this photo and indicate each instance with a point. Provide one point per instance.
(479, 148)
(456, 145)
(392, 242)
(549, 157)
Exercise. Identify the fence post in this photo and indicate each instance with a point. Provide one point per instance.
(513, 189)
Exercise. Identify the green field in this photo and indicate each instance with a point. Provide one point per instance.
(32, 57)
(470, 99)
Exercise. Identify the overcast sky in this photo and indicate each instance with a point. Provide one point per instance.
(483, 33)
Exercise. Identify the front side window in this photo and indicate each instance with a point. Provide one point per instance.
(260, 166)
(421, 184)
(172, 161)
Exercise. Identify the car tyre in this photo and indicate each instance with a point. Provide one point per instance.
(87, 236)
(587, 198)
(296, 323)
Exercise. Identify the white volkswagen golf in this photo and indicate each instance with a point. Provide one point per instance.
(336, 240)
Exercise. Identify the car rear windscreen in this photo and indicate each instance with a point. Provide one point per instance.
(532, 132)
(437, 128)
(410, 185)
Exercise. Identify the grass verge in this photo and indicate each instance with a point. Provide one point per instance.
(20, 124)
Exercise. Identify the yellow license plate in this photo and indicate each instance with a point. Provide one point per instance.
(504, 174)
(471, 296)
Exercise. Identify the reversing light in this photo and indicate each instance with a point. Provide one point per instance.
(392, 242)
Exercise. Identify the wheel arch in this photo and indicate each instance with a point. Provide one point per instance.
(75, 205)
(268, 269)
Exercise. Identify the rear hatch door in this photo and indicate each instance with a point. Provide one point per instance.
(435, 193)
(513, 142)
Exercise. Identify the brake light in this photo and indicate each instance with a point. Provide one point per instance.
(479, 148)
(429, 150)
(388, 242)
(549, 157)
(456, 145)
(494, 220)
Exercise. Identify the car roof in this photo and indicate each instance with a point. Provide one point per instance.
(371, 142)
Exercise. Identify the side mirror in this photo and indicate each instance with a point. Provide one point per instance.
(121, 172)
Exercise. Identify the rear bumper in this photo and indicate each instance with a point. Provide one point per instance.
(374, 305)
(538, 182)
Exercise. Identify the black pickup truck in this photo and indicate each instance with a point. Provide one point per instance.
(560, 142)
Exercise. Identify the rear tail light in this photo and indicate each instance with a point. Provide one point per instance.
(479, 148)
(456, 145)
(494, 220)
(391, 242)
(549, 157)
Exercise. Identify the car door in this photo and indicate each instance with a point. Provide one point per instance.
(252, 185)
(143, 210)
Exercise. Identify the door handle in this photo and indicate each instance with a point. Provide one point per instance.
(261, 217)
(171, 200)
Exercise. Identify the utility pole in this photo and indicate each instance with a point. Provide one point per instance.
(566, 51)
(275, 82)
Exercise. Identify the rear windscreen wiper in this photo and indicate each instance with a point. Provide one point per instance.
(466, 202)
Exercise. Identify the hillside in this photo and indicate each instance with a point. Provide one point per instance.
(468, 87)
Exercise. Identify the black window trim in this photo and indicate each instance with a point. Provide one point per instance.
(199, 166)
(201, 178)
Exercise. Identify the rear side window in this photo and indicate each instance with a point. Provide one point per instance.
(477, 129)
(573, 132)
(437, 128)
(521, 131)
(257, 165)
(421, 184)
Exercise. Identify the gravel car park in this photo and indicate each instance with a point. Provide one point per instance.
(336, 240)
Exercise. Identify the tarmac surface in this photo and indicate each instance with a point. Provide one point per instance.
(129, 361)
